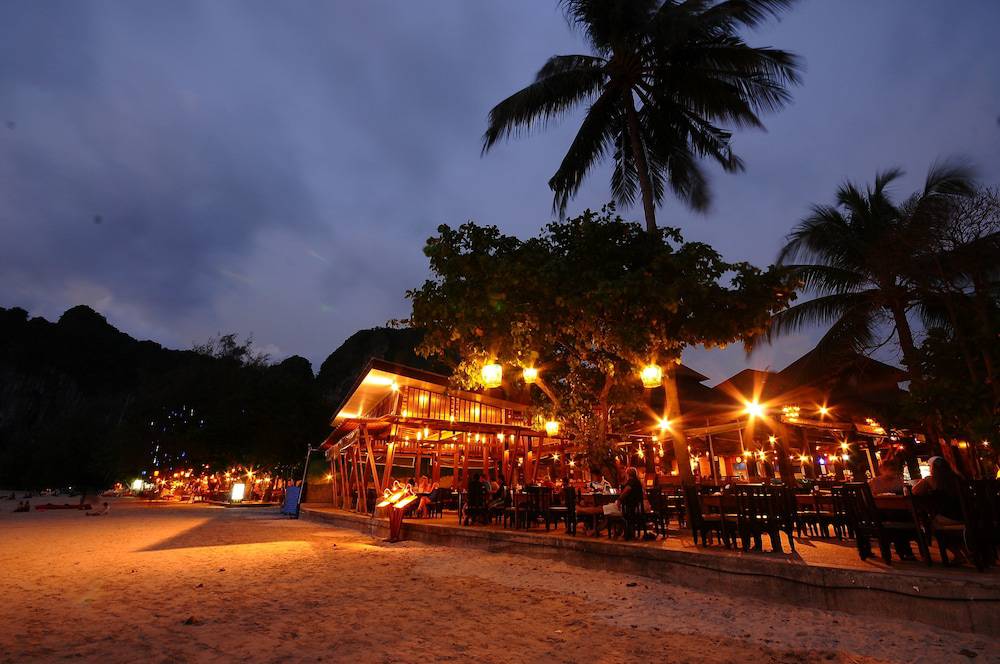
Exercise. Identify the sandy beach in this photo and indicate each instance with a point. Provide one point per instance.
(174, 583)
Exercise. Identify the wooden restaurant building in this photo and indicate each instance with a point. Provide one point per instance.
(806, 422)
(401, 422)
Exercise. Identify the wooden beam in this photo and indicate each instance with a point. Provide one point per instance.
(390, 454)
(371, 458)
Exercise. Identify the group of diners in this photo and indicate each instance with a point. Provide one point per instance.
(962, 516)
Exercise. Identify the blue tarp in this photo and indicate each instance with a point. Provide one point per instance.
(291, 500)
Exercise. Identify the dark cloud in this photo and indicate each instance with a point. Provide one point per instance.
(275, 167)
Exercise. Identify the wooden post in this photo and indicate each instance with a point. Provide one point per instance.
(362, 486)
(562, 458)
(373, 468)
(345, 486)
(781, 447)
(711, 457)
(465, 464)
(809, 450)
(858, 462)
(390, 453)
(333, 484)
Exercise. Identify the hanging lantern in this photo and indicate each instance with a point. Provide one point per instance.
(492, 375)
(552, 428)
(651, 375)
(530, 375)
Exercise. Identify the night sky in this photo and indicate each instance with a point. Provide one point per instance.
(188, 168)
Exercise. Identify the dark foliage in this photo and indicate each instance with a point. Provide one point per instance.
(83, 404)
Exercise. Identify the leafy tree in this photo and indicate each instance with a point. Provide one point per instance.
(859, 263)
(589, 302)
(957, 270)
(663, 81)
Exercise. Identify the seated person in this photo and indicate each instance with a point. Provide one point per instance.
(889, 479)
(630, 500)
(632, 494)
(597, 482)
(498, 497)
(942, 486)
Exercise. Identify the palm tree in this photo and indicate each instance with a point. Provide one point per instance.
(663, 79)
(860, 257)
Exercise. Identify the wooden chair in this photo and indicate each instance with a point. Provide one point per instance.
(540, 504)
(475, 508)
(814, 514)
(565, 512)
(763, 508)
(516, 512)
(707, 524)
(974, 533)
(438, 499)
(867, 523)
(659, 511)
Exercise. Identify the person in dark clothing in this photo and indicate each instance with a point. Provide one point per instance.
(942, 486)
(475, 499)
(630, 500)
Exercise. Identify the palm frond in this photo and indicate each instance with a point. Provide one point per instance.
(829, 279)
(822, 310)
(592, 141)
(950, 177)
(568, 81)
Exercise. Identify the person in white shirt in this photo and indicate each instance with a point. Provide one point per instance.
(598, 484)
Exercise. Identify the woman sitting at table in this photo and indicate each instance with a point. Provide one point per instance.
(423, 490)
(942, 486)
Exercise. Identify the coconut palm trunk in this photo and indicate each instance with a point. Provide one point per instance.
(911, 358)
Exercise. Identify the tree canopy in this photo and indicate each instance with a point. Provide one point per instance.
(589, 301)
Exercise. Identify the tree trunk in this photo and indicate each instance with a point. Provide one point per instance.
(673, 407)
(911, 359)
(641, 164)
(981, 306)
